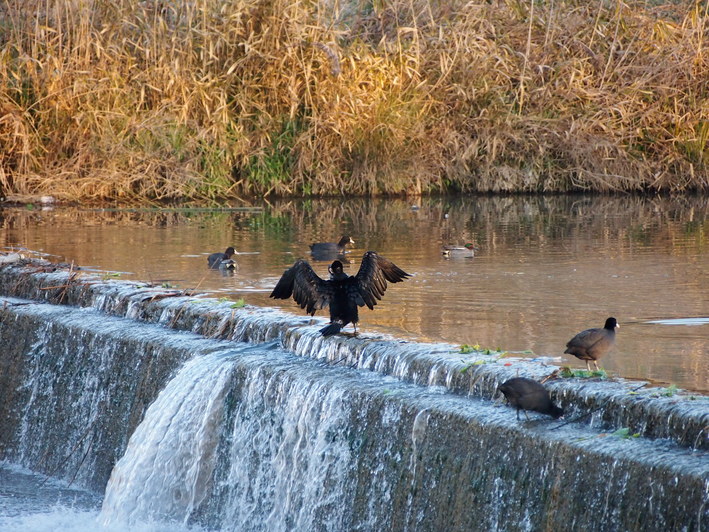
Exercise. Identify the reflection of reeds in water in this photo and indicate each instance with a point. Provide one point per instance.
(497, 221)
(161, 100)
(490, 220)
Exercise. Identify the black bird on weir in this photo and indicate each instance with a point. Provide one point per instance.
(527, 394)
(592, 344)
(342, 293)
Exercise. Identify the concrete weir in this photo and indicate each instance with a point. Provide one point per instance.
(180, 407)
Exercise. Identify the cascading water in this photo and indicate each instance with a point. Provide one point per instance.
(170, 457)
(299, 445)
(262, 448)
(287, 454)
(269, 435)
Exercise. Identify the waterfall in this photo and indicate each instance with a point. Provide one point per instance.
(77, 385)
(245, 420)
(231, 440)
(255, 438)
(170, 457)
(288, 455)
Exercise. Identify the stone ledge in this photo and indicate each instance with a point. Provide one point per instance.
(609, 404)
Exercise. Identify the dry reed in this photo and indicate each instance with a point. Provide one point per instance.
(210, 99)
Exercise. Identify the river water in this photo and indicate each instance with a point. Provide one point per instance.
(30, 502)
(547, 267)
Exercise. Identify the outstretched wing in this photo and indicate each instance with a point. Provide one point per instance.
(370, 283)
(309, 291)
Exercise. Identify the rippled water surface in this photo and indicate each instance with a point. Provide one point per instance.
(547, 267)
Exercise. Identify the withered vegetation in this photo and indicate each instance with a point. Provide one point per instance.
(206, 99)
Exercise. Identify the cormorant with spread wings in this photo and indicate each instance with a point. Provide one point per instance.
(342, 293)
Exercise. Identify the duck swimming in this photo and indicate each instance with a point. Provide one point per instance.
(222, 260)
(330, 250)
(341, 293)
(468, 250)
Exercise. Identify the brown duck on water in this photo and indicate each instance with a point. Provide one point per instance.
(341, 293)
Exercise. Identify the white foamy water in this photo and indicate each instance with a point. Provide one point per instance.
(280, 442)
(32, 503)
(169, 459)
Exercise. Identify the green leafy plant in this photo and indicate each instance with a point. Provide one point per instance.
(624, 433)
(670, 391)
(466, 349)
(239, 303)
(494, 354)
(569, 373)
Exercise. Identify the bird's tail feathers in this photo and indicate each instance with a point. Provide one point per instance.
(333, 328)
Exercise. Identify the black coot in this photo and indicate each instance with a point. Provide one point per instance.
(527, 394)
(330, 250)
(215, 260)
(593, 344)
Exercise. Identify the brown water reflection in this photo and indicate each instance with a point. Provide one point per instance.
(547, 266)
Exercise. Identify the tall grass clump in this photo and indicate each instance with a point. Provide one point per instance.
(163, 100)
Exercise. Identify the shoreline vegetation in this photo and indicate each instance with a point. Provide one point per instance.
(118, 100)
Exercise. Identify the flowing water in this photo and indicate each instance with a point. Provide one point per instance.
(208, 434)
(547, 267)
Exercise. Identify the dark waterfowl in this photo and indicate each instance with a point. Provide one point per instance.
(330, 250)
(527, 394)
(222, 260)
(229, 265)
(593, 344)
(468, 250)
(342, 293)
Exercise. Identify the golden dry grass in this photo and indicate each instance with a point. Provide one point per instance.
(207, 99)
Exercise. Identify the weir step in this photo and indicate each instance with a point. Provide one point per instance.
(636, 407)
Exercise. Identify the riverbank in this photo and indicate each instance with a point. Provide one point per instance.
(207, 100)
